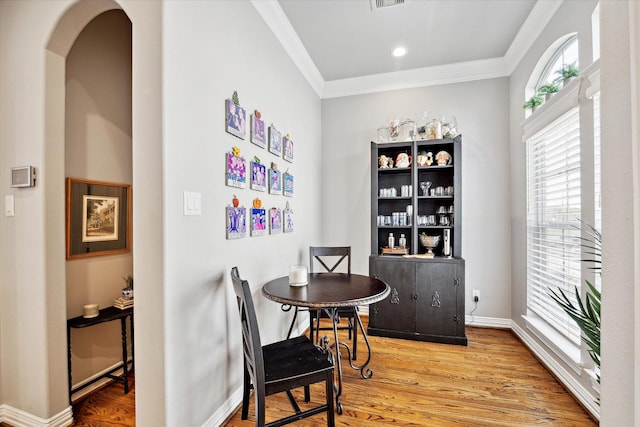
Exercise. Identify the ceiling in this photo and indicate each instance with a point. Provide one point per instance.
(343, 47)
(346, 38)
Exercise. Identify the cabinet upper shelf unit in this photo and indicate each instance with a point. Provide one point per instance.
(416, 189)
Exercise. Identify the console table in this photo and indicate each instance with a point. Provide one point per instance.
(106, 315)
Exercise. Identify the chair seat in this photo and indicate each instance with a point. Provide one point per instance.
(295, 357)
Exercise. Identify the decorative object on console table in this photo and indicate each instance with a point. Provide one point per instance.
(427, 300)
(123, 303)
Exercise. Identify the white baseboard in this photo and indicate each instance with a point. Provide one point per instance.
(581, 393)
(225, 410)
(487, 322)
(20, 418)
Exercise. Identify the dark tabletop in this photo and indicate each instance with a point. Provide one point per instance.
(327, 290)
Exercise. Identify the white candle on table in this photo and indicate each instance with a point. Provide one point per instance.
(297, 274)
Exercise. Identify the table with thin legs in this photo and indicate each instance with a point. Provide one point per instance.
(329, 292)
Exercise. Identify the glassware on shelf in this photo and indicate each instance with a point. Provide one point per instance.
(383, 135)
(394, 129)
(407, 130)
(434, 129)
(425, 186)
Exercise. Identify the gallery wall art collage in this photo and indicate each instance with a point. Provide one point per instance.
(261, 178)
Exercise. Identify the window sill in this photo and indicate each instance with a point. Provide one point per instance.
(557, 343)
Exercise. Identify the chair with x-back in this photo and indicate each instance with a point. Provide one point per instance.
(331, 259)
(279, 367)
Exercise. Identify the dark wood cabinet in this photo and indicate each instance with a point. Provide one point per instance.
(426, 302)
(427, 294)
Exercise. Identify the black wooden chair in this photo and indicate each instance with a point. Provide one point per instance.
(279, 367)
(330, 258)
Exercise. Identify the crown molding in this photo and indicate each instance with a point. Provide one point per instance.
(419, 77)
(277, 21)
(536, 21)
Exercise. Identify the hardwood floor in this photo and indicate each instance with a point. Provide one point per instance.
(494, 381)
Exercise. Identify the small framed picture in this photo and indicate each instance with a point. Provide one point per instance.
(236, 222)
(275, 221)
(98, 218)
(287, 179)
(236, 119)
(288, 148)
(275, 182)
(287, 218)
(258, 176)
(275, 141)
(236, 171)
(258, 222)
(258, 134)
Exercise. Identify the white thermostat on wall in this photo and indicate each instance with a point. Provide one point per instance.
(23, 176)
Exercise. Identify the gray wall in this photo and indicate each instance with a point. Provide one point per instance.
(349, 124)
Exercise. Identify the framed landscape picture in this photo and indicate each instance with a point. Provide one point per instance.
(98, 218)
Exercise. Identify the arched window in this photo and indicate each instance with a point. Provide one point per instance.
(561, 189)
(565, 56)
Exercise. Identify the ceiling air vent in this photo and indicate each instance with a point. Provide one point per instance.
(380, 4)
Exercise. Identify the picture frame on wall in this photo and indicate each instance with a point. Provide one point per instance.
(275, 221)
(236, 222)
(287, 145)
(275, 141)
(258, 221)
(258, 176)
(236, 168)
(98, 218)
(287, 219)
(236, 119)
(287, 184)
(258, 133)
(275, 181)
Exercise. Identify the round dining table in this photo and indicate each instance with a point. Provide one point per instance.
(328, 292)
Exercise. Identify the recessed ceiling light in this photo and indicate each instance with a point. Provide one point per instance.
(399, 51)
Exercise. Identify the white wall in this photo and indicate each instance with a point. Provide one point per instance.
(210, 50)
(349, 124)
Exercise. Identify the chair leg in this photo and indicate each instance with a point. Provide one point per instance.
(329, 393)
(245, 394)
(311, 326)
(307, 394)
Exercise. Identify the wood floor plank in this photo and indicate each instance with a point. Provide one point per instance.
(494, 382)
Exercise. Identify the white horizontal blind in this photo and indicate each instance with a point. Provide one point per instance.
(553, 225)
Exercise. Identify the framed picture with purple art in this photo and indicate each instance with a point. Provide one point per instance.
(258, 176)
(275, 141)
(236, 119)
(258, 222)
(287, 144)
(236, 169)
(275, 181)
(236, 222)
(287, 219)
(287, 183)
(275, 221)
(258, 134)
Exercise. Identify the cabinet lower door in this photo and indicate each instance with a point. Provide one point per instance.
(437, 302)
(396, 312)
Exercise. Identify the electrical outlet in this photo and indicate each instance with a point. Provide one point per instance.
(476, 295)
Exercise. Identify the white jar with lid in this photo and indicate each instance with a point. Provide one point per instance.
(402, 241)
(392, 242)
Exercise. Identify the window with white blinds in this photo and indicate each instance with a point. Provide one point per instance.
(553, 219)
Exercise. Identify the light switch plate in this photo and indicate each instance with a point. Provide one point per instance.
(192, 203)
(9, 206)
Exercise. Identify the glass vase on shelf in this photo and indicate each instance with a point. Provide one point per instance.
(394, 129)
(407, 130)
(421, 126)
(434, 129)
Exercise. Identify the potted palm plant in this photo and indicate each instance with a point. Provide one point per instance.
(586, 313)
